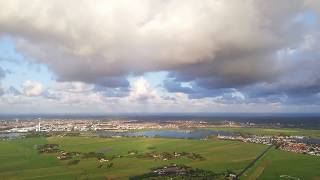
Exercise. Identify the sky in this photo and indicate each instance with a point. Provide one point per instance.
(119, 56)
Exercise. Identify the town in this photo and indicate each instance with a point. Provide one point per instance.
(286, 143)
(295, 144)
(68, 125)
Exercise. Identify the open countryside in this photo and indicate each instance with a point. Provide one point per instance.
(160, 90)
(21, 160)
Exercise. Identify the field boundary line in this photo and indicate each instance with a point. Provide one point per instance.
(254, 161)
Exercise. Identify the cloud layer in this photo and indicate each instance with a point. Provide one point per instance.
(244, 51)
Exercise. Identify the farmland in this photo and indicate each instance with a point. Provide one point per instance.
(271, 131)
(278, 164)
(21, 160)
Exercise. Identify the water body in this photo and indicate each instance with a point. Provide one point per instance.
(11, 135)
(187, 134)
(184, 134)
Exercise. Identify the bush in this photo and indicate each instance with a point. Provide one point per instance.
(94, 155)
(48, 148)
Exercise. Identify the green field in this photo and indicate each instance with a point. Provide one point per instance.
(20, 159)
(277, 164)
(272, 131)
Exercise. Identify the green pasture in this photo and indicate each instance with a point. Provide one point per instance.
(277, 164)
(20, 159)
(272, 131)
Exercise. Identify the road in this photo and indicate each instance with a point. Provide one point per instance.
(254, 161)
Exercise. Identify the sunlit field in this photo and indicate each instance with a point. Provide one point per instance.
(21, 160)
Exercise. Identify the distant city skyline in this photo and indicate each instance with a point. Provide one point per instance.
(103, 57)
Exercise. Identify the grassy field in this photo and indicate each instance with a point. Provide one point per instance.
(277, 164)
(20, 159)
(273, 131)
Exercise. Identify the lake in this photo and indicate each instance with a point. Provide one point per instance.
(185, 134)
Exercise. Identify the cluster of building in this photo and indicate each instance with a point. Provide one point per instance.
(173, 169)
(125, 125)
(169, 156)
(66, 125)
(286, 143)
(62, 125)
(51, 125)
(301, 148)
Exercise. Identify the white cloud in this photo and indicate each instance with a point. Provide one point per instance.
(212, 44)
(74, 87)
(74, 93)
(93, 42)
(32, 88)
(238, 95)
(142, 98)
(141, 91)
